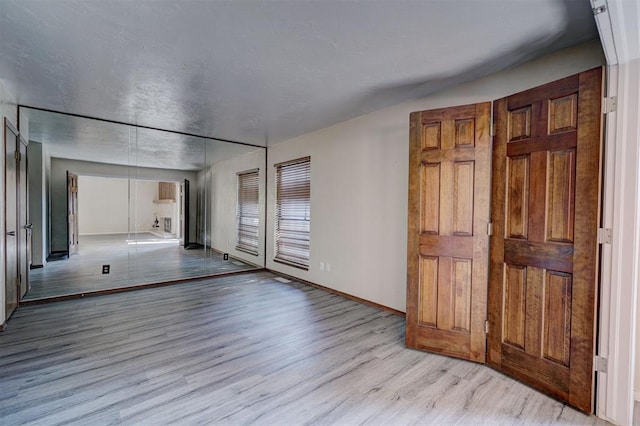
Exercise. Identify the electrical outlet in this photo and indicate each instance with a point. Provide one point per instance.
(322, 266)
(106, 269)
(328, 267)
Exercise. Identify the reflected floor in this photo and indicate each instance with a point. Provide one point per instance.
(140, 259)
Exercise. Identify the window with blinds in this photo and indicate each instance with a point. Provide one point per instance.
(293, 212)
(248, 212)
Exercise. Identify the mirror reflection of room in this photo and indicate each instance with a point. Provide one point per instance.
(117, 206)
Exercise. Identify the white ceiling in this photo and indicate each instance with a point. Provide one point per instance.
(261, 71)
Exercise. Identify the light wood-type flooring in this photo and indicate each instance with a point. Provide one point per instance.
(134, 259)
(244, 349)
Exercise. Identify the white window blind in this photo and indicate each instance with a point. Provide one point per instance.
(248, 212)
(293, 212)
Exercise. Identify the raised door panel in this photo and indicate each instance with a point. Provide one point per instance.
(518, 196)
(427, 302)
(430, 200)
(514, 305)
(561, 196)
(545, 210)
(448, 245)
(463, 179)
(557, 318)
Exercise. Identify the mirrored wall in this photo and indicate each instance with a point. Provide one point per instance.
(115, 206)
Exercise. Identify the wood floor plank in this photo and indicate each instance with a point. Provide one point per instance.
(245, 349)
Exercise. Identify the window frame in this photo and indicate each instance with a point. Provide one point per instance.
(240, 209)
(299, 246)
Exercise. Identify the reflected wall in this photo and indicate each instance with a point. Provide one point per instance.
(225, 163)
(177, 194)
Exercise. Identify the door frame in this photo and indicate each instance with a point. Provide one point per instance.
(620, 258)
(24, 252)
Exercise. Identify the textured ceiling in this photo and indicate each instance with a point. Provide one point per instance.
(263, 71)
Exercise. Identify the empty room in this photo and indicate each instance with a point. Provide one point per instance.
(320, 212)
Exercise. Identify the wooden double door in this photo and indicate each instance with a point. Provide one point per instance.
(502, 249)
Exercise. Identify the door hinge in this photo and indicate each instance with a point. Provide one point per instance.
(599, 9)
(489, 229)
(18, 156)
(486, 327)
(605, 235)
(609, 104)
(600, 364)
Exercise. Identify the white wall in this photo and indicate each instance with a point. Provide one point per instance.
(37, 207)
(119, 206)
(224, 201)
(142, 206)
(9, 110)
(359, 172)
(103, 205)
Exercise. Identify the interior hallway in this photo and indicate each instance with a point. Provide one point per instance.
(133, 258)
(239, 350)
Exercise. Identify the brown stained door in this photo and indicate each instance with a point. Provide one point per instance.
(545, 212)
(12, 271)
(72, 207)
(449, 188)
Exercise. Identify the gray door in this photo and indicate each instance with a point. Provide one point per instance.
(24, 227)
(72, 213)
(12, 281)
(185, 214)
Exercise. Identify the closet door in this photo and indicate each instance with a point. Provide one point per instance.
(449, 188)
(12, 233)
(544, 253)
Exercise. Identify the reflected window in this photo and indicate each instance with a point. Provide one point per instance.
(248, 211)
(293, 212)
